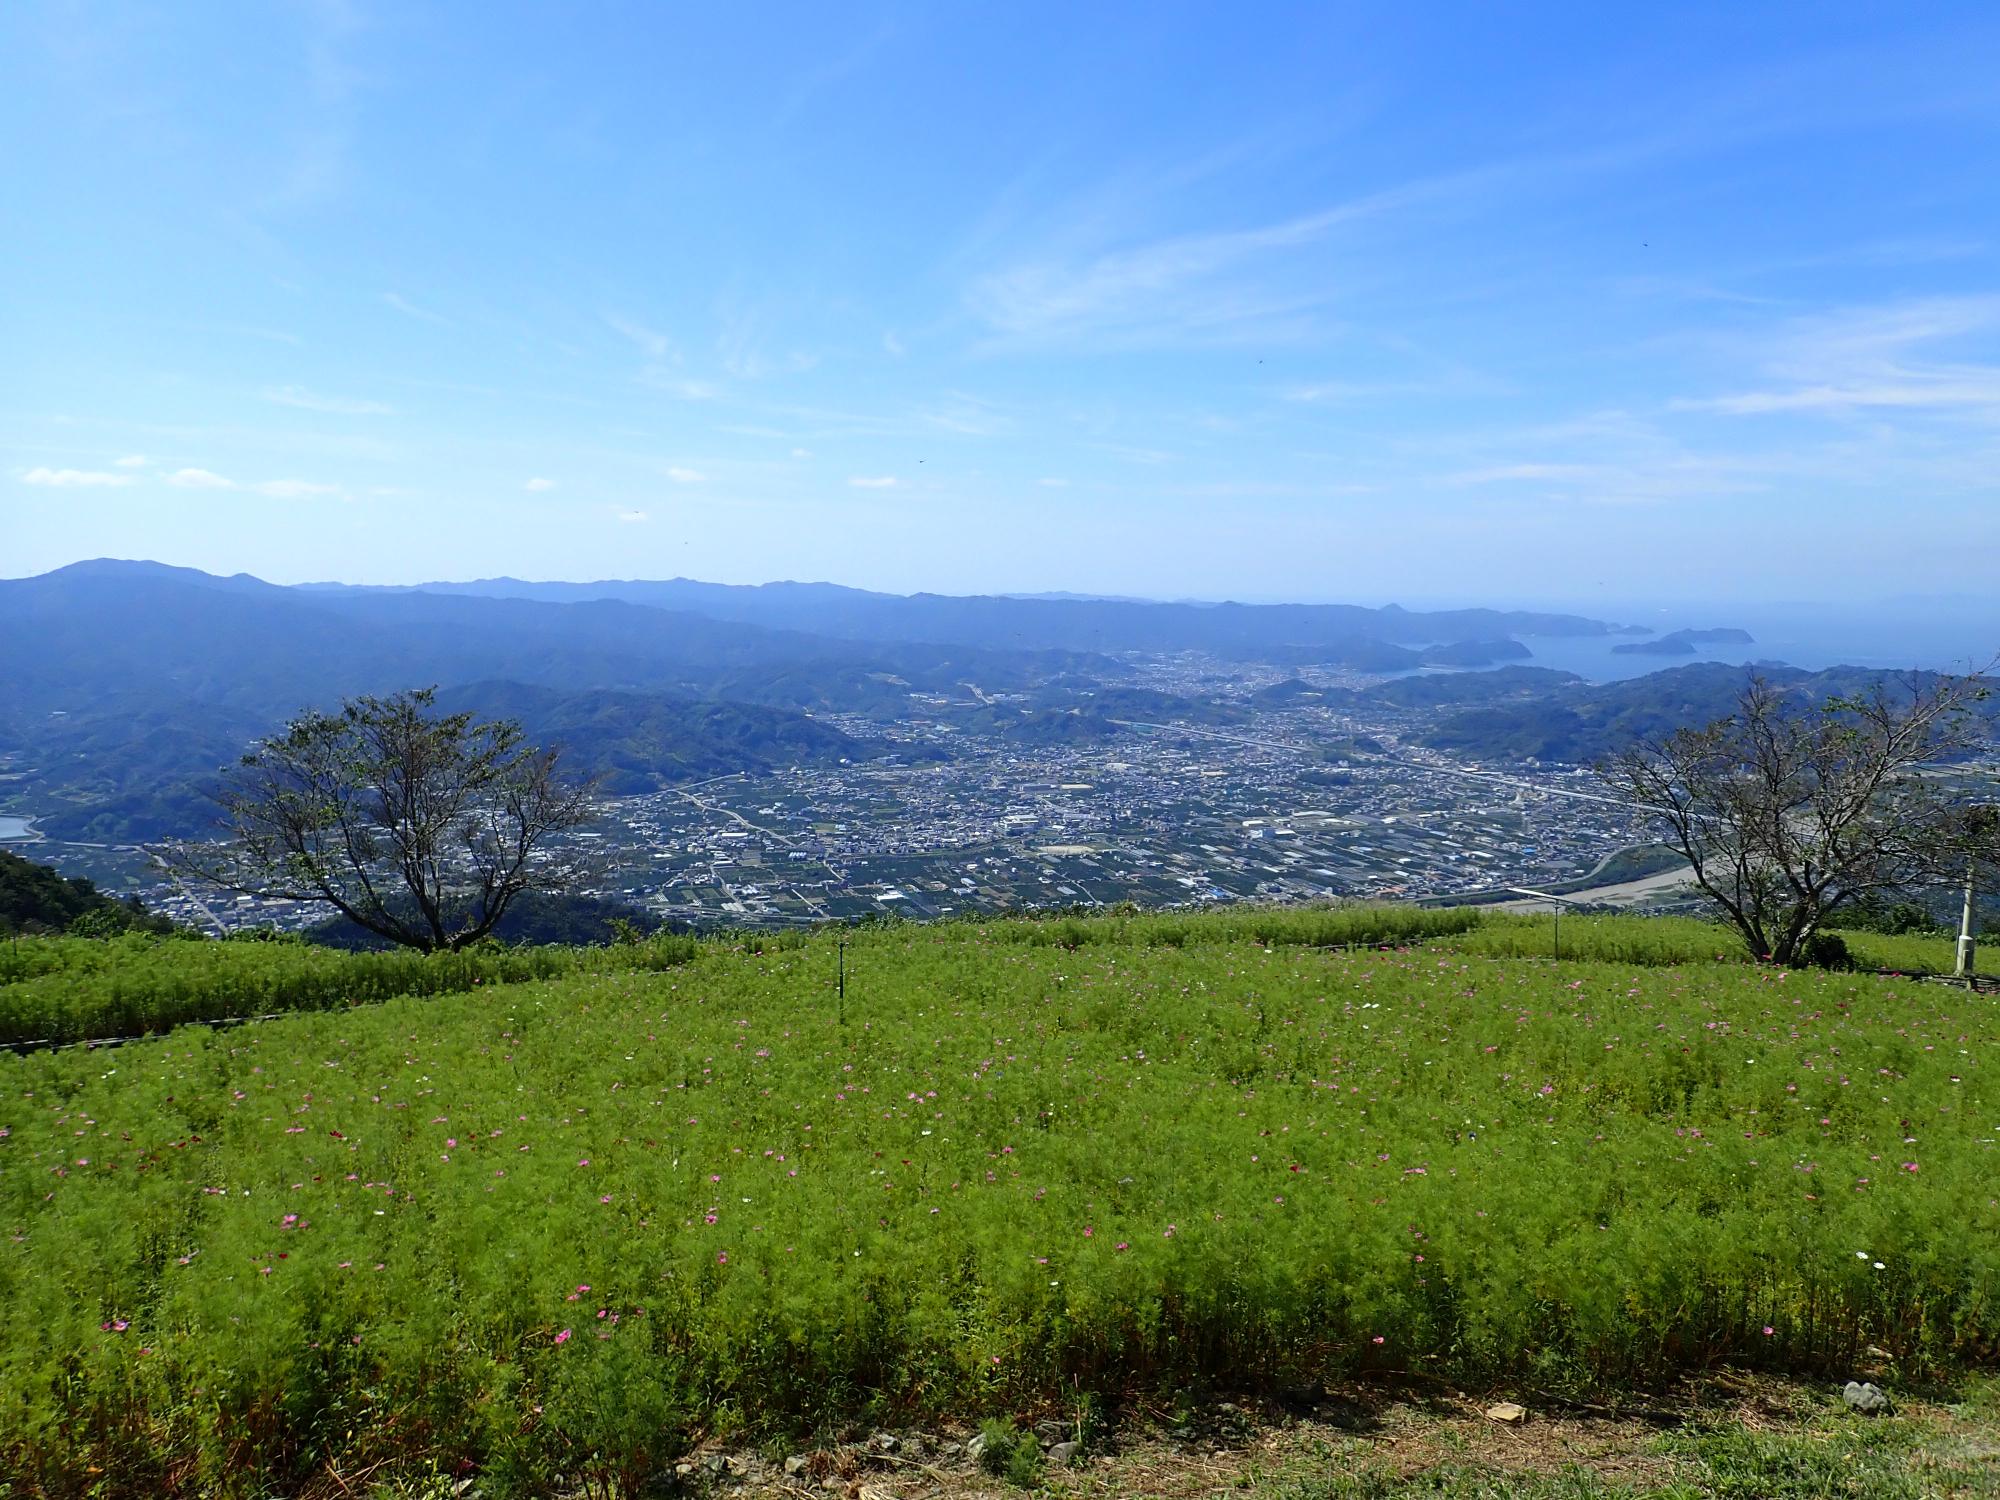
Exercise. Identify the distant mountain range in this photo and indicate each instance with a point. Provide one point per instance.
(132, 682)
(1044, 622)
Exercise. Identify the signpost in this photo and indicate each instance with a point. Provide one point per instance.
(1982, 819)
(1561, 902)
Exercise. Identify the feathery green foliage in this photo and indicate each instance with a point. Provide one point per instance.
(565, 1227)
(72, 989)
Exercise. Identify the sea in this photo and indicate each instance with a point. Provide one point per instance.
(1956, 635)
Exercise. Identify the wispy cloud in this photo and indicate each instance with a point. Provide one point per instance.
(652, 343)
(276, 489)
(292, 489)
(313, 138)
(968, 415)
(1453, 382)
(827, 73)
(873, 482)
(745, 345)
(1528, 472)
(1641, 480)
(410, 310)
(199, 479)
(677, 385)
(343, 406)
(538, 485)
(1135, 455)
(1872, 358)
(680, 475)
(1207, 287)
(131, 461)
(1930, 390)
(74, 479)
(633, 517)
(1608, 458)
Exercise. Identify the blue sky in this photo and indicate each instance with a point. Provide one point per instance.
(1564, 302)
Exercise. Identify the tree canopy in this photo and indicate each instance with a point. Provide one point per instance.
(1790, 811)
(418, 826)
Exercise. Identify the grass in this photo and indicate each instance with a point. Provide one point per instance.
(563, 1229)
(64, 990)
(1678, 940)
(1792, 1443)
(68, 990)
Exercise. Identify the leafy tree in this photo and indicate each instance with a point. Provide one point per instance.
(35, 899)
(420, 827)
(1790, 812)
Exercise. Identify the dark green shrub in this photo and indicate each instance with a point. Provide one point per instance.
(1010, 1453)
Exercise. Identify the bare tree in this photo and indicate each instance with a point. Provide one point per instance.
(1789, 811)
(421, 827)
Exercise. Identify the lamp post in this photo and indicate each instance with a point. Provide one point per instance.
(1560, 901)
(1981, 822)
(1962, 969)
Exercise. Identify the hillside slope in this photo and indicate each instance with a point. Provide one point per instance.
(1010, 1168)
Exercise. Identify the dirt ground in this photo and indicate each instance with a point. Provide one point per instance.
(1741, 1437)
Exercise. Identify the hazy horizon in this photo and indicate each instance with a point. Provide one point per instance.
(1633, 607)
(1958, 633)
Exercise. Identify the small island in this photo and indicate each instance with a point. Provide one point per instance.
(1686, 642)
(1476, 653)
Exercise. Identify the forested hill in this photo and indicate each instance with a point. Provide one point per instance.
(637, 742)
(149, 777)
(34, 898)
(144, 679)
(1579, 722)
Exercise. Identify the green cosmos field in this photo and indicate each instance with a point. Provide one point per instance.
(556, 1218)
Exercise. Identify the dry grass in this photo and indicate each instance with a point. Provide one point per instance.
(1743, 1438)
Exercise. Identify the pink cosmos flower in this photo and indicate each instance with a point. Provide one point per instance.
(563, 1337)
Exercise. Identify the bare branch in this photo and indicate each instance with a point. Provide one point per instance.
(418, 827)
(1788, 811)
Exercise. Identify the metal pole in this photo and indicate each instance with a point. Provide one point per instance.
(1964, 970)
(842, 982)
(1559, 934)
